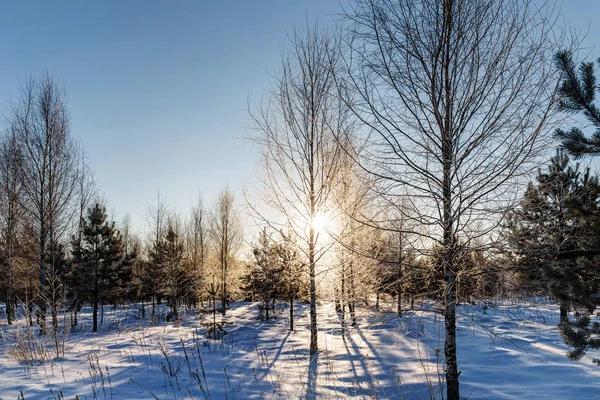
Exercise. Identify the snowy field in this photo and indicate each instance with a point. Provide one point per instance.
(508, 352)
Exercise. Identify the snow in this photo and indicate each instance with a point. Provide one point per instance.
(508, 351)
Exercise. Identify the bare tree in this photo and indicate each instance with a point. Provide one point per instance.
(197, 246)
(50, 173)
(456, 97)
(297, 129)
(153, 271)
(353, 206)
(86, 192)
(226, 233)
(11, 214)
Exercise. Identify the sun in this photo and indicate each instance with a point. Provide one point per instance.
(320, 222)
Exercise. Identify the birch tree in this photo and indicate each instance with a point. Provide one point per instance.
(40, 117)
(296, 131)
(226, 233)
(12, 216)
(197, 247)
(456, 97)
(152, 276)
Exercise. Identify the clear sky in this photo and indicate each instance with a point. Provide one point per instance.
(158, 90)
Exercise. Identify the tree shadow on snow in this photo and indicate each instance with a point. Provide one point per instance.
(311, 386)
(281, 346)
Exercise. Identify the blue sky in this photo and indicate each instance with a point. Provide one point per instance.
(158, 90)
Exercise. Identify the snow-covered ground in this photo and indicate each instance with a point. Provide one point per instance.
(509, 352)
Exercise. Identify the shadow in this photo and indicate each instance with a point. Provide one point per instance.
(281, 346)
(268, 366)
(350, 359)
(350, 356)
(311, 385)
(366, 376)
(369, 344)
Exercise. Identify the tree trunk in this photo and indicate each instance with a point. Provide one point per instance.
(351, 293)
(95, 297)
(224, 254)
(8, 306)
(450, 341)
(564, 311)
(343, 295)
(314, 348)
(400, 273)
(214, 299)
(42, 294)
(153, 306)
(10, 303)
(452, 386)
(95, 315)
(267, 310)
(174, 310)
(13, 307)
(54, 317)
(291, 313)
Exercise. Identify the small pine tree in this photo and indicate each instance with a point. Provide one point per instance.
(293, 273)
(265, 272)
(153, 274)
(98, 260)
(177, 276)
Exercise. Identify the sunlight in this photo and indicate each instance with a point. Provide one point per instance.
(320, 222)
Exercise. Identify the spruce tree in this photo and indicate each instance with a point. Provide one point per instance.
(98, 259)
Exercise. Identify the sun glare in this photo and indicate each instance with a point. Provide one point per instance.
(320, 222)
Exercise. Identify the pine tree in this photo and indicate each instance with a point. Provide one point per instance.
(176, 274)
(582, 335)
(578, 93)
(263, 278)
(487, 281)
(292, 281)
(555, 235)
(549, 230)
(98, 260)
(153, 274)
